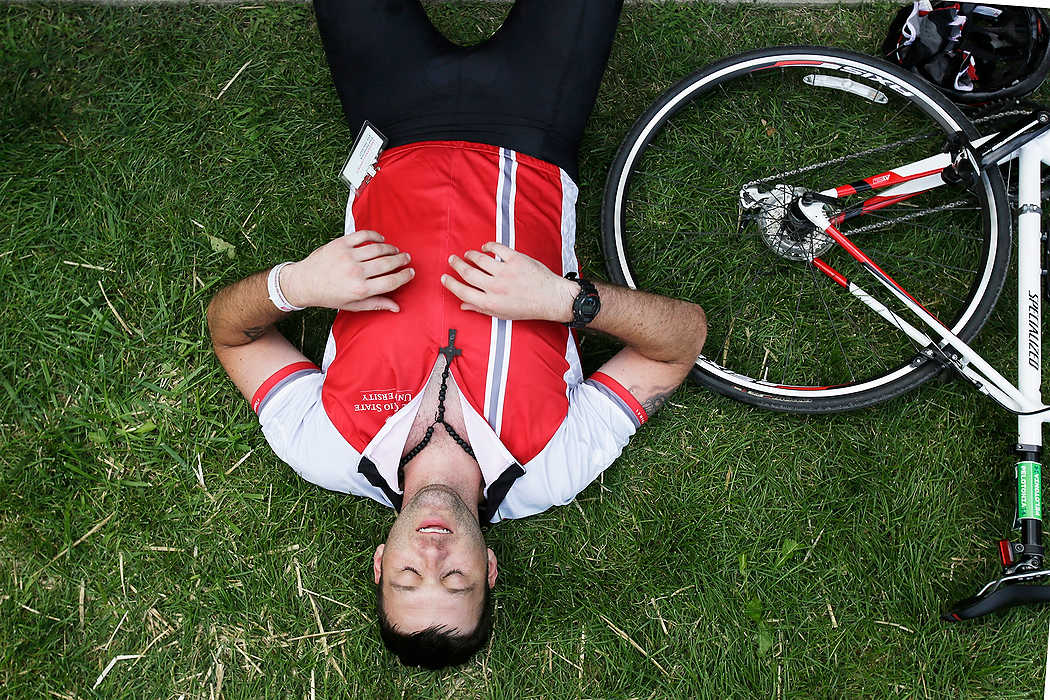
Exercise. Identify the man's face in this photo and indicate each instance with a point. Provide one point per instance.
(434, 564)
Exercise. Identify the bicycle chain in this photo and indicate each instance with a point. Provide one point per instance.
(836, 161)
(878, 149)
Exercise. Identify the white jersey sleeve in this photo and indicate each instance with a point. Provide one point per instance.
(602, 417)
(295, 424)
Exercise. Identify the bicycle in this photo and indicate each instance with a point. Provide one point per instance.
(767, 173)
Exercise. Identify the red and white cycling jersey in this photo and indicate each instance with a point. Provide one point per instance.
(540, 432)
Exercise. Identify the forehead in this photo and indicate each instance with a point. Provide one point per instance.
(415, 610)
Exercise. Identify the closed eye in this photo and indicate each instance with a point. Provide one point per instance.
(454, 571)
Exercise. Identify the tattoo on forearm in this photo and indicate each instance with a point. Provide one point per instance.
(254, 333)
(654, 402)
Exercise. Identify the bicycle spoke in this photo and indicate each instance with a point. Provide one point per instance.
(688, 234)
(689, 183)
(750, 263)
(831, 322)
(794, 337)
(912, 219)
(927, 261)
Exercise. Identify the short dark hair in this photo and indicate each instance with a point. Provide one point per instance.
(435, 647)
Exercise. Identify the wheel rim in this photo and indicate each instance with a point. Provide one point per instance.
(662, 245)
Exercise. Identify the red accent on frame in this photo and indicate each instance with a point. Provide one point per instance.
(620, 391)
(275, 378)
(860, 256)
(778, 64)
(803, 388)
(1006, 555)
(873, 204)
(831, 272)
(886, 179)
(891, 178)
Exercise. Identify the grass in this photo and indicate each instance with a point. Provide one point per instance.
(748, 554)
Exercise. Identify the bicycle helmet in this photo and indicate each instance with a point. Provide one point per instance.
(973, 53)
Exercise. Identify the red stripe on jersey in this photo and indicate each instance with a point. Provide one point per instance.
(472, 224)
(619, 390)
(275, 378)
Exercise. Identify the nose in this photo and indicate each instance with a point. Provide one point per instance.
(433, 548)
(432, 559)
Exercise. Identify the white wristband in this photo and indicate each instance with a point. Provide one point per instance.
(273, 285)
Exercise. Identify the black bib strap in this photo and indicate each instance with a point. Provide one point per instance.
(368, 468)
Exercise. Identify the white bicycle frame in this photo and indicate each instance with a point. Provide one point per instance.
(1025, 397)
(1021, 561)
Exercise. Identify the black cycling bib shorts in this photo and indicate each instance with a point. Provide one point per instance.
(529, 88)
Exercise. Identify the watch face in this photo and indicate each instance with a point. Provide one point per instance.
(589, 306)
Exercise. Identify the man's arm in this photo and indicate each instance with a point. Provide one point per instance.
(350, 273)
(662, 336)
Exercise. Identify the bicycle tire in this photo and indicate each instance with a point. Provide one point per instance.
(741, 130)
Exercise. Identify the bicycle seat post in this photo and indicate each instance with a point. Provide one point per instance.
(1027, 555)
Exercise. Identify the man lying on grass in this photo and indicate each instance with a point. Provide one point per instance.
(451, 387)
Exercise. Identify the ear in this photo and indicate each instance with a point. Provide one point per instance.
(493, 571)
(377, 562)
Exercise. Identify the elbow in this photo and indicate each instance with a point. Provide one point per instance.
(212, 316)
(209, 316)
(699, 332)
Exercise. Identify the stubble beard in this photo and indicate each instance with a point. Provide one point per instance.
(464, 522)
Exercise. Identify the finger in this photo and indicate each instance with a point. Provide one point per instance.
(383, 265)
(485, 262)
(465, 293)
(358, 237)
(471, 307)
(372, 250)
(373, 304)
(388, 283)
(501, 251)
(470, 274)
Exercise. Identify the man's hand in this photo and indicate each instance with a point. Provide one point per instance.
(351, 273)
(507, 284)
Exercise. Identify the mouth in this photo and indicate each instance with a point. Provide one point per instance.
(435, 530)
(433, 527)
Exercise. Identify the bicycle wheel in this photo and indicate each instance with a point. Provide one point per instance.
(781, 334)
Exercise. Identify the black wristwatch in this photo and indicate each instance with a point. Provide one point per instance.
(587, 303)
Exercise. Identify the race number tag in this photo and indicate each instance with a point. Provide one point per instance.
(360, 166)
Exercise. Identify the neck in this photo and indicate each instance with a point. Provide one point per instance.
(451, 468)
